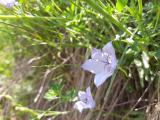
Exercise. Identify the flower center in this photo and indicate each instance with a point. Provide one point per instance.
(85, 100)
(107, 58)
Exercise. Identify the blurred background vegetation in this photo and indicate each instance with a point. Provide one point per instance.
(44, 42)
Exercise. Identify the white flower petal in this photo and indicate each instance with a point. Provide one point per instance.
(109, 49)
(79, 105)
(96, 53)
(8, 3)
(101, 78)
(82, 95)
(90, 101)
(86, 100)
(93, 66)
(88, 91)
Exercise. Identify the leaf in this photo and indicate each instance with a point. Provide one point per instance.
(39, 113)
(69, 96)
(157, 53)
(120, 4)
(51, 95)
(54, 92)
(27, 110)
(51, 113)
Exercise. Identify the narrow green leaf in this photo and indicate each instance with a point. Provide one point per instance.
(108, 17)
(140, 7)
(120, 4)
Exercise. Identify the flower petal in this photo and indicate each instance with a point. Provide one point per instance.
(8, 3)
(96, 54)
(82, 95)
(79, 105)
(88, 91)
(101, 78)
(109, 49)
(93, 66)
(91, 102)
(109, 68)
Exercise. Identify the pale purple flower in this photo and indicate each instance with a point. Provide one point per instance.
(85, 100)
(8, 3)
(103, 63)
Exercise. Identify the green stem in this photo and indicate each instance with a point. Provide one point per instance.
(140, 8)
(30, 17)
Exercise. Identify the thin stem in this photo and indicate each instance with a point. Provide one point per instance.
(30, 17)
(140, 8)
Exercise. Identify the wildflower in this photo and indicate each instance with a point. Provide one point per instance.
(103, 62)
(8, 3)
(85, 100)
